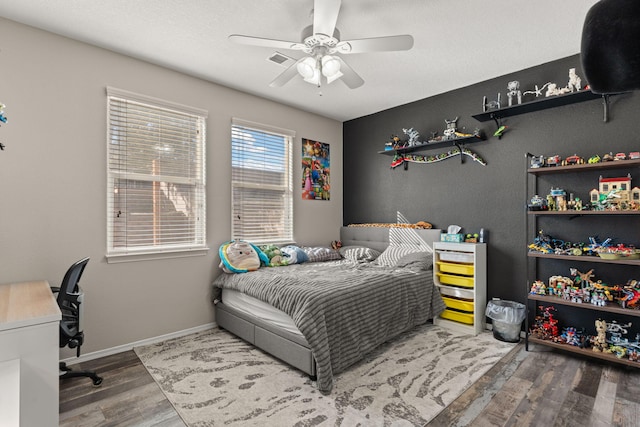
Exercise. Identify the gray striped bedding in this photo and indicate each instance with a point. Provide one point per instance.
(344, 309)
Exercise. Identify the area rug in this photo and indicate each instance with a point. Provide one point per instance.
(213, 378)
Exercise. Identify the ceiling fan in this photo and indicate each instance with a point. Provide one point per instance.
(321, 42)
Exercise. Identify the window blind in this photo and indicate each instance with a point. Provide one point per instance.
(261, 180)
(156, 175)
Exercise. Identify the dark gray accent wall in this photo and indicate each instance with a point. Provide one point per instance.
(491, 196)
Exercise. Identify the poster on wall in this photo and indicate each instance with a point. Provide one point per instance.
(316, 184)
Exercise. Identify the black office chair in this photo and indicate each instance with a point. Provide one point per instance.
(70, 298)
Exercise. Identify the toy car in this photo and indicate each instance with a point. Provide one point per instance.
(553, 160)
(573, 160)
(607, 157)
(634, 155)
(537, 203)
(594, 159)
(537, 162)
(620, 156)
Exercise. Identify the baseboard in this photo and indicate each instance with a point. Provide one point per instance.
(130, 346)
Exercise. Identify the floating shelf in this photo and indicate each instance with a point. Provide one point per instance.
(541, 104)
(428, 145)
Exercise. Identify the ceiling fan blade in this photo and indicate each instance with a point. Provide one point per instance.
(376, 44)
(286, 75)
(325, 16)
(272, 43)
(349, 77)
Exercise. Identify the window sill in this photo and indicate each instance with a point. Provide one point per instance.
(150, 256)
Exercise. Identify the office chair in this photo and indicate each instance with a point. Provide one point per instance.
(70, 298)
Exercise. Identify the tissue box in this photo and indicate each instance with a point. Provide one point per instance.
(456, 238)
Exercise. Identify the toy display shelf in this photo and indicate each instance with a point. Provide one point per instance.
(541, 104)
(428, 145)
(614, 164)
(533, 220)
(585, 352)
(609, 308)
(585, 258)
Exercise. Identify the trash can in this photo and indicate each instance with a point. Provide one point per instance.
(507, 317)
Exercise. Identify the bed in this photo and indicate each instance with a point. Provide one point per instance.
(321, 317)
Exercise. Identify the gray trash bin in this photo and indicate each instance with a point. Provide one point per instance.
(507, 317)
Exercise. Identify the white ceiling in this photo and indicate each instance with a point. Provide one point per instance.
(457, 42)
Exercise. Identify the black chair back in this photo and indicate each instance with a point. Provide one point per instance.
(70, 301)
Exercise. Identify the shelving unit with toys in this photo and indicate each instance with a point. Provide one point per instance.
(618, 302)
(460, 274)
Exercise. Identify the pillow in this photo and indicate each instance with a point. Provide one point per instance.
(393, 253)
(295, 254)
(359, 253)
(321, 253)
(416, 261)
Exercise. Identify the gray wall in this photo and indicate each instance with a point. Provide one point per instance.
(491, 196)
(53, 181)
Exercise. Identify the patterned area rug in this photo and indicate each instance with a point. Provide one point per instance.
(213, 378)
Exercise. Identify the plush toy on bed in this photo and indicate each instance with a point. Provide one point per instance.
(238, 256)
(275, 256)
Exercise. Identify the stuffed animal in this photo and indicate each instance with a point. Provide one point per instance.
(276, 257)
(238, 256)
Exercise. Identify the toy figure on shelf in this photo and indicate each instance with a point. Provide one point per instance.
(414, 137)
(513, 91)
(572, 336)
(450, 131)
(490, 105)
(575, 81)
(630, 295)
(537, 91)
(554, 90)
(599, 342)
(560, 199)
(545, 325)
(538, 288)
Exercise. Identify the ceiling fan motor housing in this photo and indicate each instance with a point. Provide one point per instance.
(312, 41)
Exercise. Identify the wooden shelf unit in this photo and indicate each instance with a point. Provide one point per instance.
(619, 216)
(471, 257)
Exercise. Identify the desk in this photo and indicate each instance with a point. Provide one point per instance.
(29, 351)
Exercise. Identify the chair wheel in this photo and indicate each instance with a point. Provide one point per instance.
(97, 381)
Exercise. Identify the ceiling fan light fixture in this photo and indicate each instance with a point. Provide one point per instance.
(330, 65)
(307, 68)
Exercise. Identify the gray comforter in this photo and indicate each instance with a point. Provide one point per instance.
(344, 309)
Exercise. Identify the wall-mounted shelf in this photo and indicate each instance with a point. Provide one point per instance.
(429, 145)
(542, 104)
(458, 142)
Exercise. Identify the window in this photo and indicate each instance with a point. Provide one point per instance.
(261, 181)
(156, 175)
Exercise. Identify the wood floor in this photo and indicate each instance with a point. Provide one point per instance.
(541, 387)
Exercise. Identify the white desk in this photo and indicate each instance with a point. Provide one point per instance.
(29, 334)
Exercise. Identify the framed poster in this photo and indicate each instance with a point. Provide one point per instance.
(316, 172)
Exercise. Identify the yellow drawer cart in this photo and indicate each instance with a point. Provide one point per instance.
(460, 274)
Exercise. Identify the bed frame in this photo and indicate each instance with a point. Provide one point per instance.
(286, 346)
